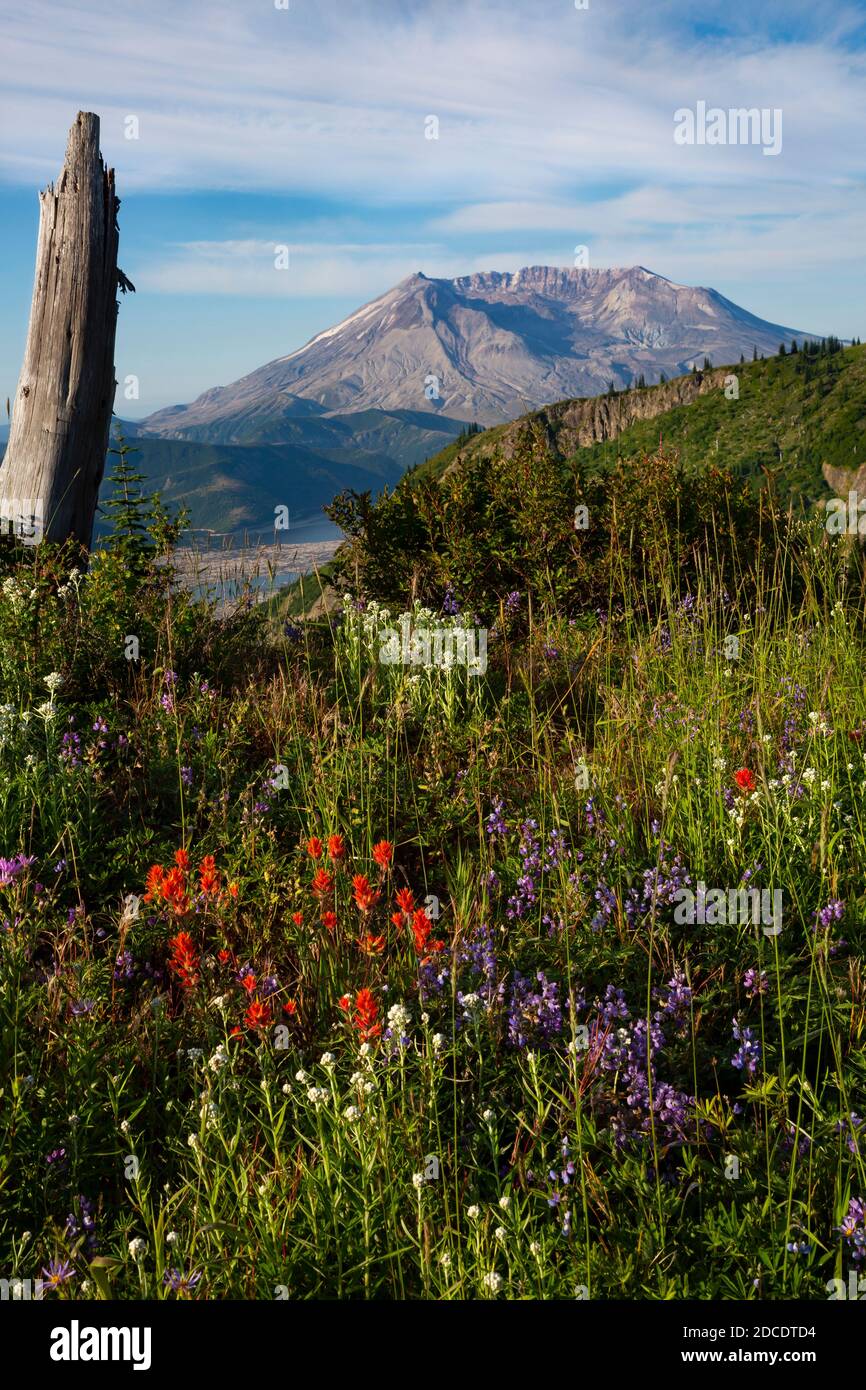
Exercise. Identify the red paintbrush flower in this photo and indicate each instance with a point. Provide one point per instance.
(744, 780)
(329, 920)
(258, 1015)
(249, 983)
(184, 961)
(336, 847)
(405, 900)
(181, 859)
(421, 929)
(290, 1007)
(366, 896)
(323, 883)
(209, 877)
(153, 882)
(366, 1014)
(372, 945)
(383, 853)
(172, 889)
(298, 919)
(314, 847)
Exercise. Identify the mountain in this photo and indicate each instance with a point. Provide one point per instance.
(236, 486)
(484, 347)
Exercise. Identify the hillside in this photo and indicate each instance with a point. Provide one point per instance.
(792, 415)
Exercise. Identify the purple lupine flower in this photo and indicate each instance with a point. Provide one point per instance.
(748, 1056)
(833, 912)
(679, 1002)
(851, 1123)
(450, 606)
(124, 968)
(512, 602)
(534, 1015)
(613, 1005)
(755, 982)
(83, 1224)
(70, 748)
(495, 824)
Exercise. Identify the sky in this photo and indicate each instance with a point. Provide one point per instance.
(237, 127)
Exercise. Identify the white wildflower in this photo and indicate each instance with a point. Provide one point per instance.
(137, 1248)
(492, 1281)
(398, 1019)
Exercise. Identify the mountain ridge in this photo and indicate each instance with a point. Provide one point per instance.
(482, 347)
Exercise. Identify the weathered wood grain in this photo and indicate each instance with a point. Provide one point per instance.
(61, 414)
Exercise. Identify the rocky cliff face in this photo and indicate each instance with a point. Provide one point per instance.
(570, 425)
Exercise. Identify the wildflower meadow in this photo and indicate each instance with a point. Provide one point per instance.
(324, 975)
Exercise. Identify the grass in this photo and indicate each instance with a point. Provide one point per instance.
(215, 1090)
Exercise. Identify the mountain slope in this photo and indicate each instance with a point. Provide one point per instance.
(483, 347)
(792, 414)
(795, 415)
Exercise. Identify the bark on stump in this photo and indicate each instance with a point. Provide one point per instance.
(61, 416)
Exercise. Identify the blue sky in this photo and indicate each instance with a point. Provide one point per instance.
(305, 127)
